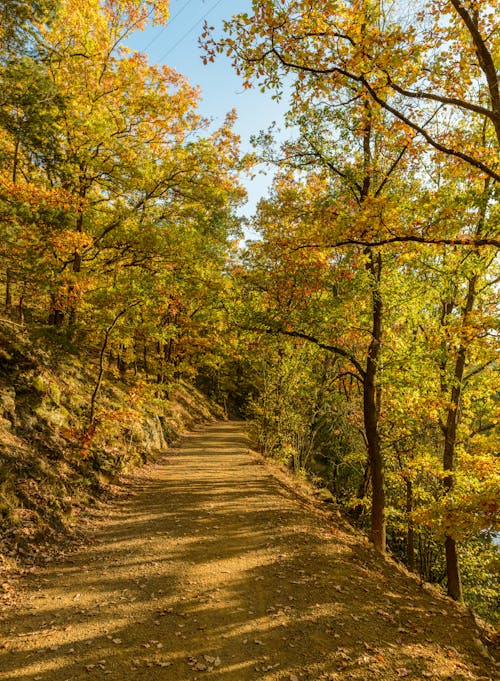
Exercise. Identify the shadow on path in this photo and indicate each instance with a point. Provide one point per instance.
(212, 568)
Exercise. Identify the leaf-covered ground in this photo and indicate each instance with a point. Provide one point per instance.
(210, 566)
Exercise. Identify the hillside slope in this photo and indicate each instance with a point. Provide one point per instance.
(209, 566)
(52, 465)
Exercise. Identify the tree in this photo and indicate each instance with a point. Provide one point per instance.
(20, 22)
(350, 174)
(114, 107)
(436, 79)
(416, 78)
(441, 343)
(87, 228)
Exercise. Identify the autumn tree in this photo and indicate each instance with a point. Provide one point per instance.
(332, 301)
(20, 23)
(117, 201)
(351, 170)
(436, 375)
(430, 68)
(368, 56)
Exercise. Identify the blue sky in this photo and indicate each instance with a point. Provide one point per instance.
(177, 45)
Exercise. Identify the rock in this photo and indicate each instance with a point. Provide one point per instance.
(8, 404)
(482, 648)
(5, 423)
(325, 495)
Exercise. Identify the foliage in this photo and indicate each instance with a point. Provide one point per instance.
(396, 140)
(481, 569)
(123, 257)
(359, 332)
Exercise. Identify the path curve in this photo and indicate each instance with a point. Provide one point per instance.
(212, 568)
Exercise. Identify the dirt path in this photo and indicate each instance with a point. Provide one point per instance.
(212, 568)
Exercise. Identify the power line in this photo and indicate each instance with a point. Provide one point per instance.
(193, 27)
(167, 25)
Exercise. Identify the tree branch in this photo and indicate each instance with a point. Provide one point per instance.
(449, 151)
(336, 349)
(470, 242)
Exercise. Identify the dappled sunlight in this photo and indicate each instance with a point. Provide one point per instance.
(211, 565)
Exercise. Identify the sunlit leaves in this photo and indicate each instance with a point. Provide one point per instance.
(431, 68)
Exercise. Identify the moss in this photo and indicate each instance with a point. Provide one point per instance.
(47, 386)
(39, 383)
(5, 356)
(57, 417)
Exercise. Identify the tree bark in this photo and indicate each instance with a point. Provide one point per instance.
(77, 257)
(450, 439)
(371, 409)
(410, 532)
(8, 290)
(454, 581)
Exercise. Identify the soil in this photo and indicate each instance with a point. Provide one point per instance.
(211, 565)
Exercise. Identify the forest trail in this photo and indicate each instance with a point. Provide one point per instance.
(210, 567)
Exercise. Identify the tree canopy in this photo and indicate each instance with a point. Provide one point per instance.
(359, 331)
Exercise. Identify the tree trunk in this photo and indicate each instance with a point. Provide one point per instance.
(20, 305)
(371, 409)
(160, 355)
(8, 274)
(378, 522)
(410, 532)
(8, 290)
(169, 351)
(77, 262)
(56, 315)
(453, 570)
(452, 565)
(450, 439)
